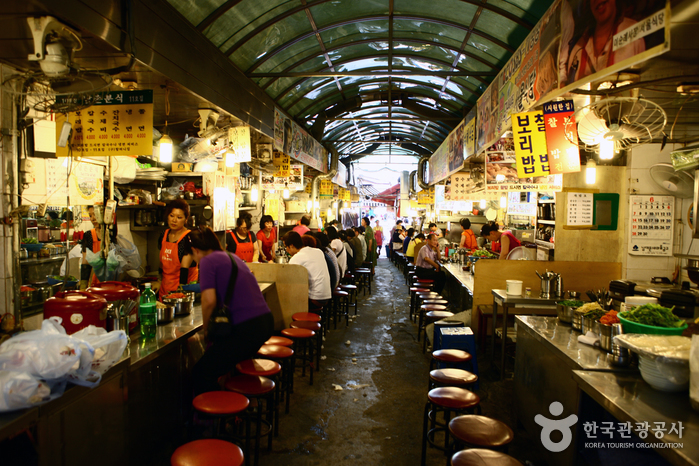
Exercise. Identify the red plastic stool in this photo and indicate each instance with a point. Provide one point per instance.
(221, 405)
(317, 328)
(279, 341)
(284, 356)
(449, 357)
(207, 452)
(303, 347)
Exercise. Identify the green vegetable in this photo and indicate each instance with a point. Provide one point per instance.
(30, 241)
(595, 314)
(69, 278)
(654, 315)
(482, 253)
(570, 303)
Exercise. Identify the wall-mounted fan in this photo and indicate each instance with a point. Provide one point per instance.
(623, 121)
(675, 183)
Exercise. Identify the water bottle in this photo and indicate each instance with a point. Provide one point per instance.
(147, 313)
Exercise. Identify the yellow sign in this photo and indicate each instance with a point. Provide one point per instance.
(470, 138)
(118, 123)
(281, 161)
(426, 196)
(326, 189)
(272, 207)
(529, 131)
(344, 194)
(309, 187)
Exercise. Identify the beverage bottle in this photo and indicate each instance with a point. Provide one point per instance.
(147, 313)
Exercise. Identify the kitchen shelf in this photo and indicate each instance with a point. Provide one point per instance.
(197, 201)
(139, 206)
(546, 222)
(43, 260)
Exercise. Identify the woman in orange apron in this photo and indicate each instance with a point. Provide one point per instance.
(176, 257)
(93, 242)
(241, 242)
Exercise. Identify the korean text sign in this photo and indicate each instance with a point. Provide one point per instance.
(564, 155)
(529, 133)
(118, 123)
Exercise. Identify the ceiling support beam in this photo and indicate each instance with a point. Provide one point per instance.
(344, 74)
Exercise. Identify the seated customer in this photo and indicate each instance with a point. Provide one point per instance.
(319, 291)
(413, 246)
(408, 239)
(427, 263)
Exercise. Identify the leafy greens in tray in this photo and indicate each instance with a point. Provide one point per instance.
(654, 315)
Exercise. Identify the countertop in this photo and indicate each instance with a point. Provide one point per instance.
(629, 399)
(456, 271)
(563, 338)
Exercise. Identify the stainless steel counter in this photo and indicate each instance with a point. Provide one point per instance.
(456, 271)
(629, 399)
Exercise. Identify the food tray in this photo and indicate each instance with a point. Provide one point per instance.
(32, 247)
(635, 327)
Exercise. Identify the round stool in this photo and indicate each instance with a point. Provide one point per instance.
(207, 452)
(303, 347)
(306, 317)
(448, 400)
(424, 308)
(480, 431)
(414, 291)
(340, 307)
(265, 368)
(316, 327)
(279, 341)
(285, 356)
(364, 277)
(449, 357)
(431, 317)
(442, 302)
(422, 297)
(451, 378)
(481, 457)
(220, 405)
(260, 389)
(352, 301)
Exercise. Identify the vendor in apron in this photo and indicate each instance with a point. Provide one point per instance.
(241, 241)
(93, 242)
(505, 239)
(177, 265)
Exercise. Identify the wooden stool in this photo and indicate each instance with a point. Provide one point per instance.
(315, 326)
(451, 378)
(364, 279)
(431, 317)
(449, 357)
(279, 341)
(340, 307)
(480, 431)
(207, 452)
(284, 356)
(448, 400)
(260, 389)
(481, 457)
(303, 347)
(353, 298)
(271, 370)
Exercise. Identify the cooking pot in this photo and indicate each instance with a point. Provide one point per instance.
(165, 314)
(23, 253)
(78, 309)
(183, 306)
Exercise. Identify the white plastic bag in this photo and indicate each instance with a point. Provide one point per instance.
(108, 346)
(125, 171)
(75, 253)
(127, 254)
(20, 390)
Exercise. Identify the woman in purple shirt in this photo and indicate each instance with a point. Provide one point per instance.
(252, 320)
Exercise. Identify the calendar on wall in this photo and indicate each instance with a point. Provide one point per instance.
(650, 225)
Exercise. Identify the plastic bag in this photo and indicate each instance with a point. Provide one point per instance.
(108, 346)
(20, 390)
(144, 197)
(125, 171)
(75, 253)
(127, 254)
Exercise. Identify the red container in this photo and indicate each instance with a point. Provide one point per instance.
(78, 309)
(119, 293)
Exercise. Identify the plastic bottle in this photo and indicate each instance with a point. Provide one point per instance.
(147, 313)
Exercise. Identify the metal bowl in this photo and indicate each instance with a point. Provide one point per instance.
(576, 322)
(605, 337)
(183, 306)
(165, 314)
(565, 313)
(590, 325)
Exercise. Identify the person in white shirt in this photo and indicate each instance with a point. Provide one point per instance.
(319, 291)
(359, 231)
(338, 248)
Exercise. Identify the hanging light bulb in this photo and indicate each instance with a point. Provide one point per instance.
(482, 203)
(591, 171)
(230, 158)
(165, 146)
(254, 193)
(503, 202)
(285, 193)
(606, 149)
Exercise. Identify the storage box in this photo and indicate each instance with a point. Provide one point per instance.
(181, 167)
(460, 338)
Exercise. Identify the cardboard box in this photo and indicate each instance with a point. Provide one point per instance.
(181, 167)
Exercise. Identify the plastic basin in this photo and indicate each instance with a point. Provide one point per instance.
(635, 327)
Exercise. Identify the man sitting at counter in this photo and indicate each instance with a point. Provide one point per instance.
(427, 263)
(313, 259)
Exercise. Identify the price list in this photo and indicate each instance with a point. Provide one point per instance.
(650, 225)
(579, 210)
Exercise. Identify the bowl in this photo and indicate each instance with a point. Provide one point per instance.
(671, 377)
(32, 247)
(165, 314)
(635, 327)
(590, 325)
(183, 306)
(576, 322)
(605, 337)
(565, 313)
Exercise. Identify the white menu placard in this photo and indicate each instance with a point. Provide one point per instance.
(650, 225)
(579, 210)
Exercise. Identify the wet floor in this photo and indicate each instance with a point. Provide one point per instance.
(365, 406)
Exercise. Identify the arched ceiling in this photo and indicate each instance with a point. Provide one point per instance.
(391, 76)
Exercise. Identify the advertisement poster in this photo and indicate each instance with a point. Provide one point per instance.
(470, 133)
(326, 189)
(600, 38)
(294, 141)
(650, 220)
(118, 123)
(501, 171)
(294, 182)
(564, 155)
(282, 162)
(449, 157)
(529, 133)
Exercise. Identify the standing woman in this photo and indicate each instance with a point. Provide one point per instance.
(93, 242)
(370, 242)
(267, 239)
(241, 242)
(507, 240)
(468, 237)
(378, 236)
(176, 260)
(252, 320)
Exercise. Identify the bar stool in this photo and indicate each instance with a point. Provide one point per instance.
(271, 370)
(449, 357)
(414, 290)
(315, 326)
(207, 452)
(480, 431)
(312, 317)
(481, 457)
(451, 378)
(284, 356)
(441, 302)
(424, 308)
(221, 405)
(364, 280)
(260, 389)
(303, 347)
(432, 316)
(353, 298)
(340, 307)
(279, 341)
(448, 400)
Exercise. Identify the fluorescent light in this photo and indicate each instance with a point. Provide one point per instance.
(285, 193)
(254, 193)
(329, 213)
(591, 172)
(309, 205)
(503, 202)
(606, 149)
(165, 146)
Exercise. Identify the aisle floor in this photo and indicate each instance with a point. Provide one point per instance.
(376, 417)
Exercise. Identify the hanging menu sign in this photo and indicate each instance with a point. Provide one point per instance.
(650, 220)
(530, 144)
(564, 155)
(426, 196)
(326, 189)
(117, 123)
(579, 211)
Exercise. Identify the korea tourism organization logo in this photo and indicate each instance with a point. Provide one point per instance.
(606, 434)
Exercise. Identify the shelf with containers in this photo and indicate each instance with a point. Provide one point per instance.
(545, 225)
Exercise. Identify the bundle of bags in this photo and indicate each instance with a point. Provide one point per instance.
(36, 366)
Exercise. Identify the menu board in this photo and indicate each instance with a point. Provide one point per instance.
(650, 221)
(426, 196)
(326, 189)
(580, 209)
(294, 141)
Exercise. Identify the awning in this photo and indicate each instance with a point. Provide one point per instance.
(388, 196)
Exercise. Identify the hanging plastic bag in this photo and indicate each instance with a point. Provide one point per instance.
(127, 254)
(125, 169)
(108, 346)
(98, 264)
(20, 390)
(75, 253)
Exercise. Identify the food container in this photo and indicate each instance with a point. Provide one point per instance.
(619, 356)
(23, 253)
(564, 313)
(635, 327)
(577, 320)
(78, 309)
(165, 313)
(120, 294)
(664, 377)
(605, 337)
(513, 287)
(183, 306)
(27, 296)
(589, 325)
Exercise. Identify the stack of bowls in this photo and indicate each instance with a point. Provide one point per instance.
(671, 378)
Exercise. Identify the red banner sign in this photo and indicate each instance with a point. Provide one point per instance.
(564, 155)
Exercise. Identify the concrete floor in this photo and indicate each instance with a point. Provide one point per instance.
(376, 419)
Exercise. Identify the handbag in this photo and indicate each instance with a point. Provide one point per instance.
(220, 325)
